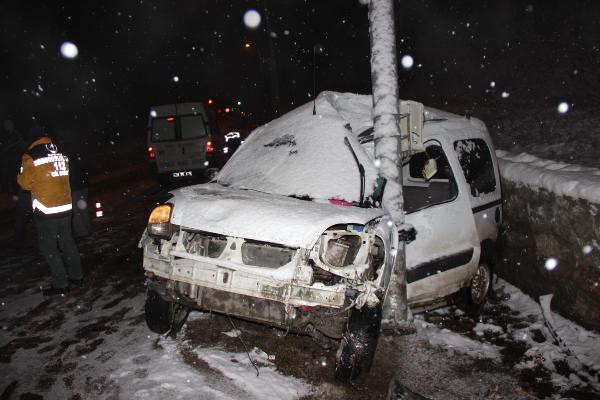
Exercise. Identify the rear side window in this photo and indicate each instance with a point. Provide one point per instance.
(192, 126)
(163, 129)
(476, 162)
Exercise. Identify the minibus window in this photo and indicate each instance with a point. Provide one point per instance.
(163, 129)
(192, 126)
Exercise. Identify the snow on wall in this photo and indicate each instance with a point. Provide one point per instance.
(557, 177)
(551, 233)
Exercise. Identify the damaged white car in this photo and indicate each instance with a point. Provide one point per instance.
(291, 233)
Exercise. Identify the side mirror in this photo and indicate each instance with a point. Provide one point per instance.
(379, 188)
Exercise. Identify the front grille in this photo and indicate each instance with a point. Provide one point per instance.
(254, 253)
(204, 244)
(269, 255)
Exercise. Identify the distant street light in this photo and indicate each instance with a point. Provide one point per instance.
(252, 19)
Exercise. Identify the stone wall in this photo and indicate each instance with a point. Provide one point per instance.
(538, 225)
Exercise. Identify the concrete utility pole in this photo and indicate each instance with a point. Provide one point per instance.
(384, 79)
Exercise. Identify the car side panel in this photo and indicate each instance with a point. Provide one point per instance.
(446, 251)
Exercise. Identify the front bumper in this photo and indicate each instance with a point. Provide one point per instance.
(202, 272)
(330, 322)
(226, 287)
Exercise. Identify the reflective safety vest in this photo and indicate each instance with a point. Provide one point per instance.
(45, 172)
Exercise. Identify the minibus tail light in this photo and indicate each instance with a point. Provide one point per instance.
(209, 147)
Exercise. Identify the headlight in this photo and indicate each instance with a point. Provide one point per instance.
(342, 251)
(159, 223)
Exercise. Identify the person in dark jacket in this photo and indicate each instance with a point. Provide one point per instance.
(45, 173)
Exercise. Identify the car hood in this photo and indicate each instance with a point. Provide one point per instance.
(261, 216)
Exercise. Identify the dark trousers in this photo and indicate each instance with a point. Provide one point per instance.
(59, 249)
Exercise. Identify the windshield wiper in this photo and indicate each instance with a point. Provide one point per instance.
(361, 169)
(301, 197)
(366, 136)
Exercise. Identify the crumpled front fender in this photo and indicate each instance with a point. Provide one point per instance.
(386, 229)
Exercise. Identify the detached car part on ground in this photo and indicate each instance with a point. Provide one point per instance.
(291, 233)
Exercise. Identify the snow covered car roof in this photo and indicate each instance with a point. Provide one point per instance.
(303, 155)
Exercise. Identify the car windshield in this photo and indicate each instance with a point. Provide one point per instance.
(304, 155)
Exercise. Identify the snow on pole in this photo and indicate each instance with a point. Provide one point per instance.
(384, 79)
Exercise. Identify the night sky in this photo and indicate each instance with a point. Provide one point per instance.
(130, 52)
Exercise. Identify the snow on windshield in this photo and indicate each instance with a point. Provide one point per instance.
(304, 155)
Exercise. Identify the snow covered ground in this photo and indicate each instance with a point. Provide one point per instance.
(512, 330)
(95, 344)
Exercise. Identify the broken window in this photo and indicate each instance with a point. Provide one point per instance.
(476, 162)
(440, 188)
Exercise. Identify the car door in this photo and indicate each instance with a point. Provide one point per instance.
(446, 249)
(163, 138)
(480, 170)
(194, 137)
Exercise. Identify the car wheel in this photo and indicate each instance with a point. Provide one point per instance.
(180, 314)
(357, 347)
(475, 295)
(480, 284)
(164, 316)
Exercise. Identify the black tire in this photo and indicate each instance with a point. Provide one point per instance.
(164, 316)
(476, 294)
(358, 345)
(180, 314)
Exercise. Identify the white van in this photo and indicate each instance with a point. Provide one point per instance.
(182, 141)
(291, 232)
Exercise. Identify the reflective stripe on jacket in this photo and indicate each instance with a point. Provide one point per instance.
(45, 172)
